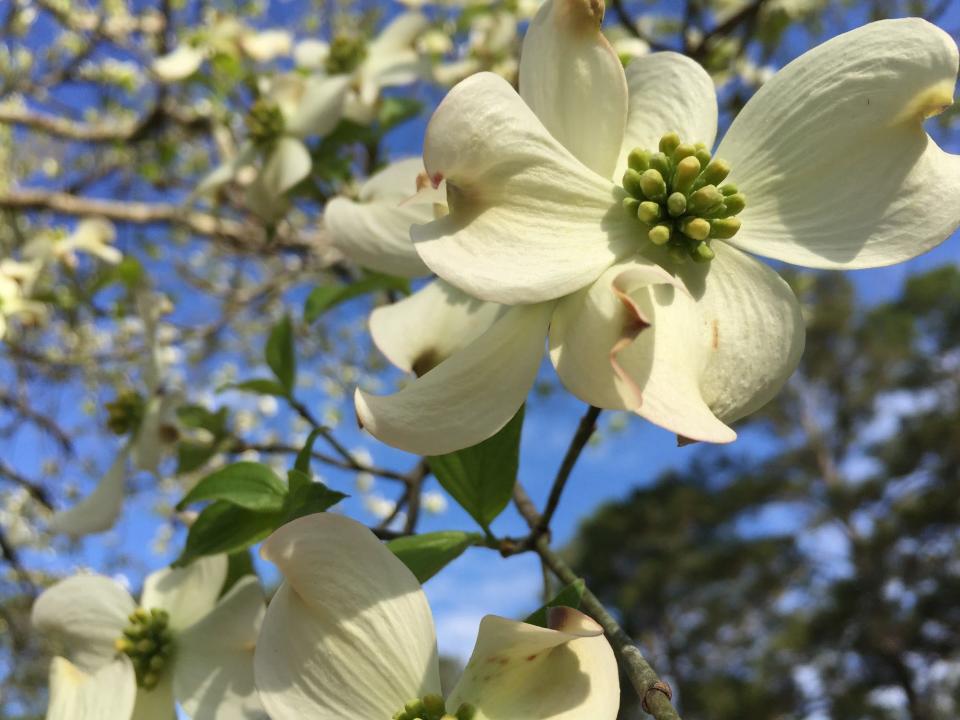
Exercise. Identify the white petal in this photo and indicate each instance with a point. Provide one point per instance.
(669, 92)
(349, 635)
(528, 222)
(222, 174)
(311, 54)
(392, 58)
(267, 45)
(89, 613)
(178, 64)
(719, 355)
(832, 155)
(156, 704)
(375, 231)
(99, 510)
(469, 397)
(572, 79)
(94, 235)
(523, 671)
(288, 164)
(421, 331)
(187, 593)
(590, 328)
(150, 442)
(213, 672)
(319, 106)
(107, 694)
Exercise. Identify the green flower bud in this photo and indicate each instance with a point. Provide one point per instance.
(661, 163)
(648, 212)
(735, 203)
(638, 159)
(156, 663)
(715, 173)
(703, 155)
(724, 228)
(677, 204)
(687, 171)
(631, 205)
(705, 199)
(669, 143)
(683, 151)
(146, 646)
(434, 704)
(653, 185)
(150, 681)
(729, 189)
(659, 235)
(696, 228)
(632, 184)
(703, 253)
(466, 712)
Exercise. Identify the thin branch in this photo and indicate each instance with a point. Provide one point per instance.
(45, 423)
(278, 449)
(241, 235)
(585, 430)
(36, 491)
(746, 15)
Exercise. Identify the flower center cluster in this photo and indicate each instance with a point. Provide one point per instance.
(432, 707)
(346, 53)
(148, 642)
(125, 412)
(677, 194)
(265, 123)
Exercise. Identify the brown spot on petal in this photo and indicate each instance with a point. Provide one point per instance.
(425, 362)
(715, 335)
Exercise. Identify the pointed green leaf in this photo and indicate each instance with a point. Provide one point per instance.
(246, 484)
(428, 554)
(307, 497)
(570, 596)
(325, 297)
(226, 528)
(481, 478)
(280, 354)
(259, 386)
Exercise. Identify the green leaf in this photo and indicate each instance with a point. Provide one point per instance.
(307, 497)
(428, 554)
(226, 528)
(197, 416)
(260, 386)
(280, 354)
(395, 110)
(481, 478)
(239, 565)
(324, 297)
(246, 484)
(302, 463)
(570, 596)
(192, 455)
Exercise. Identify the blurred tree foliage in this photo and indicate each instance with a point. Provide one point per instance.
(822, 580)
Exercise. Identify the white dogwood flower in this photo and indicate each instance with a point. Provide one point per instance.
(349, 636)
(585, 201)
(179, 644)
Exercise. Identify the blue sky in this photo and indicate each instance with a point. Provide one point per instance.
(480, 582)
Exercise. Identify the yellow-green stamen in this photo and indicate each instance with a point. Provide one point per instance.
(265, 123)
(677, 193)
(125, 412)
(148, 642)
(432, 707)
(346, 53)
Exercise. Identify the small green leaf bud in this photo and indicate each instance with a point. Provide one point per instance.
(157, 662)
(687, 171)
(146, 646)
(649, 212)
(682, 151)
(705, 199)
(703, 253)
(735, 203)
(696, 228)
(661, 163)
(729, 189)
(466, 712)
(653, 186)
(659, 235)
(632, 183)
(724, 228)
(677, 204)
(414, 706)
(434, 704)
(715, 173)
(631, 205)
(703, 155)
(638, 159)
(123, 645)
(669, 143)
(140, 615)
(150, 680)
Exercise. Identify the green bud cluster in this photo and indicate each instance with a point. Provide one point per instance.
(432, 707)
(125, 412)
(346, 53)
(148, 642)
(265, 123)
(677, 193)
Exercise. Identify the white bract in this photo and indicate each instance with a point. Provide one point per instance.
(180, 644)
(584, 201)
(349, 636)
(150, 420)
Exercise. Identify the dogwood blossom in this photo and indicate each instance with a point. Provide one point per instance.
(349, 636)
(584, 200)
(180, 644)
